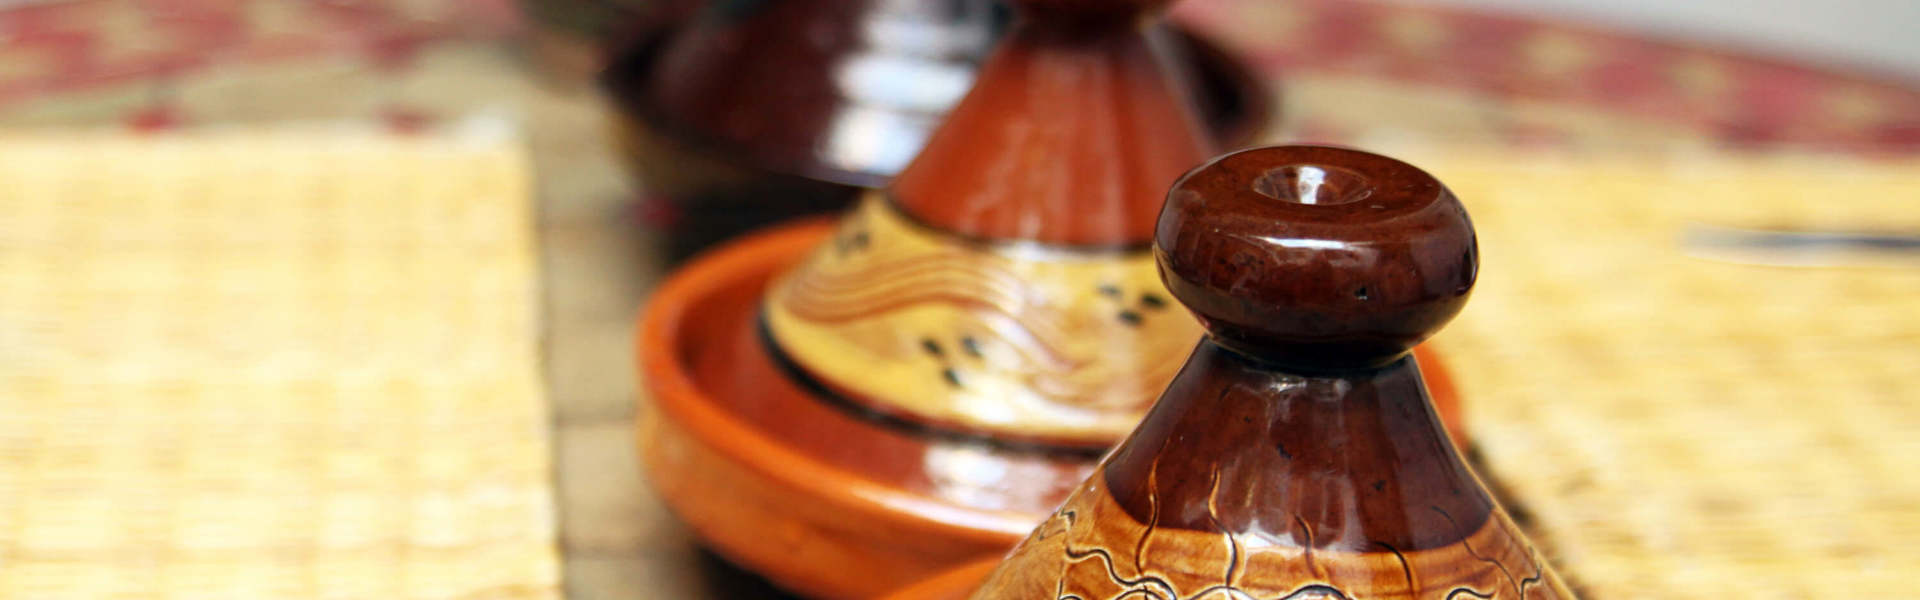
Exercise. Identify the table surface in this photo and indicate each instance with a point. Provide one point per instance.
(597, 265)
(598, 257)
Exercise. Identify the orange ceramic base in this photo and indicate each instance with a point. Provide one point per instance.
(953, 584)
(820, 501)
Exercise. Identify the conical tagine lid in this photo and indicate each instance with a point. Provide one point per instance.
(1002, 286)
(1297, 454)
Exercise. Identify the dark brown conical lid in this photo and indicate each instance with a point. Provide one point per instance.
(1297, 454)
(847, 91)
(839, 90)
(1074, 128)
(1002, 287)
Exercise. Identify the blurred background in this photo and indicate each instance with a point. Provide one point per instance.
(203, 200)
(1850, 33)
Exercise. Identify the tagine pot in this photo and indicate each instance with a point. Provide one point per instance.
(917, 384)
(1298, 454)
(747, 114)
(792, 512)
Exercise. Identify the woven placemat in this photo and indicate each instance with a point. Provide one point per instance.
(1679, 427)
(270, 366)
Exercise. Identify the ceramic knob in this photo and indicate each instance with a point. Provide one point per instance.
(1316, 257)
(1297, 454)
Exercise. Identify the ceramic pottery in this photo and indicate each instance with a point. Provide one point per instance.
(747, 113)
(1297, 454)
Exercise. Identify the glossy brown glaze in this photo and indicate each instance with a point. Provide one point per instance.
(1352, 462)
(793, 509)
(1317, 256)
(829, 89)
(795, 487)
(1001, 287)
(1087, 13)
(1279, 464)
(1070, 136)
(727, 154)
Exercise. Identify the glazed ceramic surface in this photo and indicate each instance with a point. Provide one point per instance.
(939, 374)
(840, 89)
(1002, 287)
(821, 100)
(779, 478)
(1022, 342)
(1069, 139)
(1297, 454)
(775, 480)
(847, 91)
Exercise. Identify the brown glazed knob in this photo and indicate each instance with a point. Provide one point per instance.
(1297, 454)
(1316, 257)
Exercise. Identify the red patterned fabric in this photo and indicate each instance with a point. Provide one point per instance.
(1740, 100)
(70, 46)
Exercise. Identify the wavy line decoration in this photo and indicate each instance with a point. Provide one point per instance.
(1092, 550)
(1054, 342)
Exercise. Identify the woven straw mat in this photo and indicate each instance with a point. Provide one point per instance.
(1680, 427)
(269, 366)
